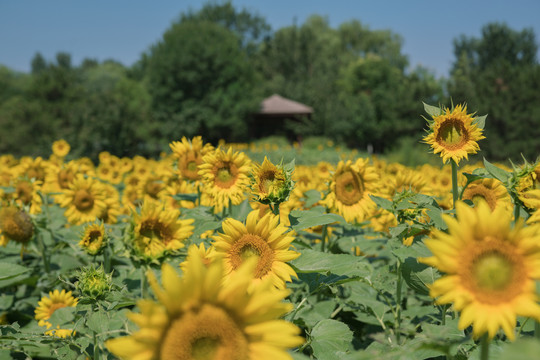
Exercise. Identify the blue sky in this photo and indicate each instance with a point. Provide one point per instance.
(123, 29)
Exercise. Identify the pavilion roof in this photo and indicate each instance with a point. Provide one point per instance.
(276, 104)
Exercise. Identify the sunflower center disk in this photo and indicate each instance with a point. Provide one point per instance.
(189, 166)
(349, 188)
(493, 272)
(24, 192)
(16, 224)
(207, 334)
(267, 180)
(252, 245)
(452, 134)
(226, 176)
(83, 200)
(480, 193)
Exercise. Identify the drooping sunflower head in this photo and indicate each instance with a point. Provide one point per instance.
(271, 184)
(48, 305)
(351, 185)
(200, 316)
(225, 176)
(454, 134)
(159, 230)
(490, 268)
(94, 239)
(16, 225)
(60, 148)
(263, 238)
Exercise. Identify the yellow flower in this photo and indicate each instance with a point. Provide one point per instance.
(27, 194)
(48, 305)
(159, 230)
(270, 183)
(16, 225)
(453, 134)
(93, 240)
(350, 188)
(492, 191)
(200, 316)
(190, 155)
(225, 177)
(84, 200)
(263, 238)
(490, 269)
(60, 148)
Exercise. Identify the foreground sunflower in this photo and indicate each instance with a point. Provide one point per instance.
(225, 177)
(350, 188)
(158, 230)
(48, 305)
(200, 316)
(490, 269)
(453, 134)
(263, 238)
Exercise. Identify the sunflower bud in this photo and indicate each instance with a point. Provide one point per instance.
(93, 283)
(271, 184)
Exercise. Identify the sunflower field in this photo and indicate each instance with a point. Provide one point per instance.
(207, 254)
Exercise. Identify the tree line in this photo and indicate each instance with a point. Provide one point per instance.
(212, 67)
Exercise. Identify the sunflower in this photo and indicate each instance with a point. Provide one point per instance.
(260, 237)
(48, 305)
(93, 239)
(158, 230)
(27, 194)
(270, 184)
(84, 200)
(60, 148)
(492, 191)
(350, 188)
(490, 269)
(16, 225)
(189, 155)
(453, 134)
(199, 316)
(207, 255)
(225, 177)
(32, 168)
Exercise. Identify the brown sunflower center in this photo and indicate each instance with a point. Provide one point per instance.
(24, 192)
(153, 187)
(250, 245)
(452, 134)
(493, 271)
(207, 334)
(94, 235)
(16, 224)
(480, 193)
(83, 200)
(266, 181)
(36, 173)
(155, 229)
(64, 179)
(349, 188)
(189, 165)
(226, 175)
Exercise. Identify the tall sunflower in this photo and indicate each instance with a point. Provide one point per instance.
(225, 177)
(48, 305)
(189, 155)
(84, 200)
(263, 238)
(158, 230)
(490, 269)
(200, 316)
(454, 134)
(351, 185)
(60, 148)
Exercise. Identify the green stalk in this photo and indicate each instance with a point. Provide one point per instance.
(323, 237)
(398, 301)
(516, 212)
(537, 330)
(43, 250)
(275, 208)
(484, 349)
(455, 195)
(144, 284)
(107, 259)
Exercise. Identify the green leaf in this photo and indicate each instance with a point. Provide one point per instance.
(382, 202)
(496, 172)
(62, 316)
(98, 322)
(521, 349)
(340, 264)
(330, 339)
(301, 220)
(187, 197)
(432, 110)
(312, 197)
(418, 276)
(5, 301)
(9, 270)
(480, 121)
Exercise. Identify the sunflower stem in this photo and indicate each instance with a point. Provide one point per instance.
(398, 301)
(43, 250)
(516, 212)
(107, 259)
(484, 347)
(144, 285)
(275, 208)
(323, 237)
(94, 333)
(537, 329)
(455, 195)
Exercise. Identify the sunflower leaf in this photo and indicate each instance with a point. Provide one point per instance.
(432, 110)
(187, 197)
(9, 270)
(496, 172)
(330, 339)
(480, 121)
(382, 202)
(312, 261)
(301, 220)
